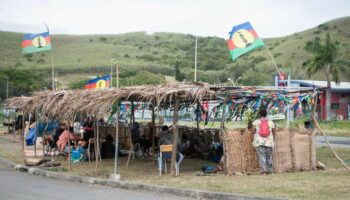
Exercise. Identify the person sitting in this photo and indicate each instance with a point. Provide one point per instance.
(185, 145)
(107, 148)
(166, 138)
(57, 134)
(63, 139)
(144, 143)
(216, 151)
(88, 131)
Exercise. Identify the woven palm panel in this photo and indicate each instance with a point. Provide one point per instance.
(282, 151)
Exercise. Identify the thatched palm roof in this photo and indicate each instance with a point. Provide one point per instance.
(65, 104)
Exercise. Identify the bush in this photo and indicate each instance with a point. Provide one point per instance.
(145, 78)
(40, 61)
(78, 84)
(277, 54)
(148, 57)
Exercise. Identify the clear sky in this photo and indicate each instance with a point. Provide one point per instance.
(270, 18)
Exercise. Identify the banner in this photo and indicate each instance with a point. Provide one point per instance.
(98, 83)
(243, 39)
(36, 42)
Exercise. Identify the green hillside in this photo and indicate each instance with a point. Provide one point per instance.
(77, 57)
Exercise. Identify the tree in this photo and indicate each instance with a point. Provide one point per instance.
(325, 57)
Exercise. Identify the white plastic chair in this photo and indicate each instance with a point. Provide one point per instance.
(161, 160)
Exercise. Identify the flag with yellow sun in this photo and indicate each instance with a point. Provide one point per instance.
(243, 39)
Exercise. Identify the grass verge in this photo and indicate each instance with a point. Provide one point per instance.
(332, 183)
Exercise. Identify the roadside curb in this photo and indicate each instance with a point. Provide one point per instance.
(196, 194)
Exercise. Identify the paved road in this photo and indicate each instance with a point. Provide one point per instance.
(336, 142)
(20, 186)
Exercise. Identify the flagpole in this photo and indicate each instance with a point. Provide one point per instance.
(52, 67)
(52, 70)
(195, 62)
(273, 60)
(111, 84)
(117, 74)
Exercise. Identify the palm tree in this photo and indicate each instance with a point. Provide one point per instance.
(325, 58)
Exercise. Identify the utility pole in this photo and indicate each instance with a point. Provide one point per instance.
(7, 88)
(56, 80)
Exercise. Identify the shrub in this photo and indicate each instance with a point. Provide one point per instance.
(277, 54)
(40, 61)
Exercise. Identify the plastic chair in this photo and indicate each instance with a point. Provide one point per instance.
(164, 154)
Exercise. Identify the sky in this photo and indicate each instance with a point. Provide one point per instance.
(270, 18)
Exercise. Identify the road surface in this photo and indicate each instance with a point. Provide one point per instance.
(21, 186)
(336, 142)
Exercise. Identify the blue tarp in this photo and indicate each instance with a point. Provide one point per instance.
(31, 137)
(39, 131)
(49, 130)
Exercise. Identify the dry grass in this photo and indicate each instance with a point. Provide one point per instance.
(333, 183)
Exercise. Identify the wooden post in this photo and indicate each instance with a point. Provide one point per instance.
(43, 140)
(131, 151)
(97, 145)
(116, 143)
(14, 127)
(222, 131)
(175, 137)
(36, 132)
(153, 129)
(69, 155)
(132, 112)
(197, 117)
(22, 132)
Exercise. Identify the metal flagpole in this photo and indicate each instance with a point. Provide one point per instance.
(52, 67)
(7, 87)
(117, 74)
(195, 62)
(111, 84)
(52, 70)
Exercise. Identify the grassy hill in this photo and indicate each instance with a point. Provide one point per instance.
(78, 56)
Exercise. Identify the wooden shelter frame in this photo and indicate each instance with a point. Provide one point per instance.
(66, 104)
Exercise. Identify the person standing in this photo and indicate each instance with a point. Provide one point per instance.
(263, 130)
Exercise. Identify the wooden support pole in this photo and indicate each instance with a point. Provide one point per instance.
(43, 140)
(133, 112)
(36, 131)
(131, 151)
(222, 131)
(22, 132)
(153, 129)
(197, 117)
(69, 155)
(116, 143)
(14, 127)
(175, 136)
(97, 145)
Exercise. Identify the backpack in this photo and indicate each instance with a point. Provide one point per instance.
(264, 130)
